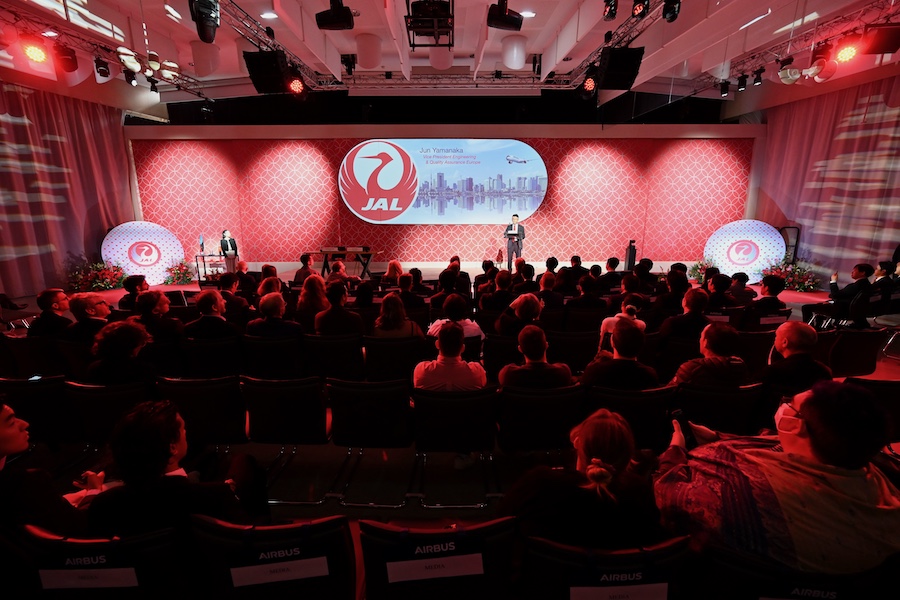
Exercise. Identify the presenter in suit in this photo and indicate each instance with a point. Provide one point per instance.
(515, 235)
(229, 251)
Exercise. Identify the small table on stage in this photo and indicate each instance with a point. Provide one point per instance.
(332, 253)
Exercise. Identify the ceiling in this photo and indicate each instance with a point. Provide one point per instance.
(711, 40)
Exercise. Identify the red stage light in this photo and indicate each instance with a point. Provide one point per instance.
(35, 51)
(589, 85)
(296, 86)
(846, 53)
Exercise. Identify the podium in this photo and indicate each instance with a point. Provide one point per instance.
(207, 262)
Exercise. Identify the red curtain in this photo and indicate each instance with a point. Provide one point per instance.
(64, 183)
(832, 168)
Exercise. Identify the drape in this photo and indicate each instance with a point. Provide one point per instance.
(63, 184)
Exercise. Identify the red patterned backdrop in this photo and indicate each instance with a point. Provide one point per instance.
(280, 198)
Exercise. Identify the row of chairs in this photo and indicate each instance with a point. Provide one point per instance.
(321, 559)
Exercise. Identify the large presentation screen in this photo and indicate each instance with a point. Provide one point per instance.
(442, 181)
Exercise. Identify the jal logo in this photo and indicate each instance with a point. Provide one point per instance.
(144, 254)
(743, 252)
(378, 180)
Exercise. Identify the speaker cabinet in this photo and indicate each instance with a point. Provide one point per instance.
(269, 71)
(618, 67)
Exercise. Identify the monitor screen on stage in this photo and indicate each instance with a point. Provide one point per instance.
(442, 181)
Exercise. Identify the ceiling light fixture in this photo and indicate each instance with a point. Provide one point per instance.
(742, 82)
(500, 16)
(723, 88)
(65, 58)
(848, 49)
(168, 70)
(671, 9)
(338, 17)
(153, 60)
(610, 10)
(129, 59)
(787, 75)
(640, 8)
(205, 13)
(757, 76)
(130, 77)
(153, 83)
(34, 50)
(101, 66)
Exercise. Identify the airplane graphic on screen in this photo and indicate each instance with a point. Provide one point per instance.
(511, 158)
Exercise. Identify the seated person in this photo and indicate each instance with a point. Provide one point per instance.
(841, 298)
(809, 498)
(768, 303)
(524, 310)
(134, 285)
(339, 274)
(630, 309)
(410, 299)
(336, 319)
(211, 325)
(588, 297)
(312, 301)
(718, 297)
(116, 347)
(797, 371)
(392, 275)
(610, 279)
(620, 369)
(418, 285)
(90, 311)
(52, 321)
(238, 309)
(528, 285)
(147, 446)
(739, 291)
(688, 325)
(502, 295)
(449, 373)
(630, 285)
(272, 323)
(152, 307)
(305, 270)
(365, 295)
(883, 285)
(447, 281)
(605, 502)
(392, 321)
(536, 373)
(549, 297)
(708, 275)
(719, 366)
(551, 263)
(457, 310)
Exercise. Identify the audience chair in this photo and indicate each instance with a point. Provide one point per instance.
(754, 348)
(368, 314)
(553, 319)
(118, 315)
(393, 358)
(212, 358)
(675, 353)
(499, 351)
(185, 314)
(23, 357)
(574, 348)
(176, 298)
(100, 407)
(647, 411)
(368, 415)
(856, 351)
(554, 571)
(539, 420)
(888, 391)
(288, 412)
(585, 319)
(335, 356)
(754, 322)
(273, 358)
(461, 422)
(439, 564)
(167, 357)
(74, 358)
(825, 341)
(41, 401)
(732, 315)
(420, 316)
(731, 410)
(213, 409)
(486, 319)
(308, 559)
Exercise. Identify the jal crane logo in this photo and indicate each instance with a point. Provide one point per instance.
(390, 176)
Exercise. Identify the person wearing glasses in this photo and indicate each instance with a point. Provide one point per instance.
(808, 498)
(90, 311)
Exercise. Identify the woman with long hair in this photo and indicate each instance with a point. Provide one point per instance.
(392, 322)
(606, 501)
(394, 271)
(312, 302)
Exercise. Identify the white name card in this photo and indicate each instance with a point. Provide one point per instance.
(280, 571)
(63, 579)
(643, 591)
(433, 568)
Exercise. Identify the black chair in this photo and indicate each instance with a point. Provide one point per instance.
(856, 351)
(673, 354)
(755, 322)
(554, 571)
(499, 351)
(100, 407)
(487, 319)
(212, 358)
(462, 422)
(41, 401)
(273, 358)
(420, 316)
(754, 349)
(647, 411)
(553, 319)
(335, 356)
(213, 409)
(75, 358)
(733, 315)
(574, 348)
(584, 319)
(369, 314)
(313, 559)
(23, 357)
(394, 358)
(888, 391)
(825, 341)
(438, 564)
(539, 420)
(732, 410)
(288, 412)
(368, 415)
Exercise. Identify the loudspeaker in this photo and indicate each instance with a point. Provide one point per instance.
(269, 71)
(618, 67)
(882, 39)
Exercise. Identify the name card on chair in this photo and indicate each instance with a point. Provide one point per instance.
(280, 571)
(643, 591)
(64, 579)
(432, 568)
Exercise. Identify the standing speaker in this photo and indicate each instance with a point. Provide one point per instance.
(618, 67)
(269, 71)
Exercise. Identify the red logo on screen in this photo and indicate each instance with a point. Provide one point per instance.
(743, 252)
(144, 254)
(378, 180)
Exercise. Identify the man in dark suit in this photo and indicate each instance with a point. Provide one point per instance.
(620, 369)
(212, 324)
(768, 303)
(229, 250)
(306, 269)
(611, 279)
(53, 303)
(337, 320)
(797, 371)
(90, 311)
(272, 323)
(237, 308)
(842, 297)
(515, 235)
(536, 373)
(411, 300)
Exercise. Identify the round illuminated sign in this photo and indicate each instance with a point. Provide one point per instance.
(746, 246)
(142, 248)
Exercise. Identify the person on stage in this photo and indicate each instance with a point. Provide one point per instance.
(229, 250)
(515, 235)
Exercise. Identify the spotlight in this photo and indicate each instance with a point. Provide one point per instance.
(640, 9)
(101, 66)
(757, 76)
(34, 50)
(65, 58)
(671, 8)
(296, 86)
(168, 69)
(129, 59)
(129, 77)
(723, 88)
(336, 18)
(205, 13)
(501, 17)
(153, 60)
(349, 62)
(742, 82)
(610, 10)
(153, 83)
(590, 84)
(848, 49)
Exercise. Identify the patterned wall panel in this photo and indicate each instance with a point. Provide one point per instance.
(280, 198)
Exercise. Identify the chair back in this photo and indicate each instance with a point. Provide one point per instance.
(754, 349)
(273, 358)
(394, 358)
(74, 358)
(585, 319)
(553, 319)
(574, 348)
(100, 407)
(487, 319)
(212, 358)
(673, 354)
(367, 414)
(461, 421)
(310, 559)
(732, 410)
(286, 411)
(539, 419)
(499, 351)
(463, 562)
(647, 411)
(335, 356)
(213, 409)
(755, 322)
(553, 571)
(856, 352)
(23, 357)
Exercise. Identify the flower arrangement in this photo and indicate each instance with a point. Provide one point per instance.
(698, 270)
(180, 273)
(86, 276)
(796, 276)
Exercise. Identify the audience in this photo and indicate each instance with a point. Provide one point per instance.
(392, 274)
(364, 295)
(842, 297)
(90, 311)
(392, 322)
(237, 308)
(211, 325)
(312, 301)
(768, 303)
(528, 285)
(447, 284)
(719, 298)
(449, 373)
(688, 325)
(410, 299)
(457, 310)
(51, 322)
(551, 263)
(797, 371)
(588, 296)
(620, 369)
(524, 310)
(718, 367)
(152, 308)
(134, 285)
(339, 274)
(305, 270)
(272, 323)
(739, 290)
(536, 373)
(116, 348)
(502, 296)
(809, 498)
(547, 295)
(486, 265)
(337, 320)
(630, 309)
(611, 279)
